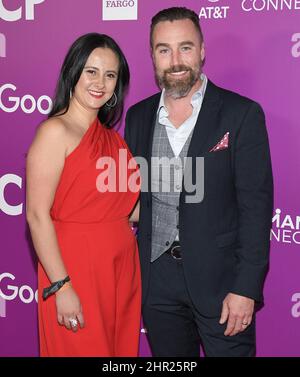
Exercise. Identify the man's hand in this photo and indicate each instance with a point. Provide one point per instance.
(237, 311)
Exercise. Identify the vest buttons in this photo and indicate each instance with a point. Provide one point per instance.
(167, 243)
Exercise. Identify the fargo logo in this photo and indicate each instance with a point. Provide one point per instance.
(10, 292)
(269, 5)
(9, 209)
(27, 103)
(296, 307)
(286, 229)
(214, 11)
(17, 14)
(119, 10)
(2, 46)
(296, 46)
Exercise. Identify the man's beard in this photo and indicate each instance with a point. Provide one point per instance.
(176, 87)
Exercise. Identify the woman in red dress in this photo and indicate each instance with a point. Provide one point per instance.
(88, 271)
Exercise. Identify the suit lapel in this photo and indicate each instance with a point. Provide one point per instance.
(150, 119)
(205, 127)
(207, 122)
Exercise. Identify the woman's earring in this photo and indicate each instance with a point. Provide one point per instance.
(114, 101)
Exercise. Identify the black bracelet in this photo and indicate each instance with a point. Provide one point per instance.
(54, 287)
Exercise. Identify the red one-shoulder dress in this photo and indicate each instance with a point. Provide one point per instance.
(90, 215)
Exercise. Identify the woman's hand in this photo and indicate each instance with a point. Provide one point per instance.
(69, 310)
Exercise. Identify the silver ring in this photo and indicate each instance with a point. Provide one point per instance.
(73, 322)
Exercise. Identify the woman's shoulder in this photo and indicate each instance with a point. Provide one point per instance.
(55, 127)
(50, 134)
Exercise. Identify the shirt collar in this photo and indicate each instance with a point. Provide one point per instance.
(195, 101)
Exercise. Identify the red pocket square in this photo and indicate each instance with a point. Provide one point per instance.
(222, 144)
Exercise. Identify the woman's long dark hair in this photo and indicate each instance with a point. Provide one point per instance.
(71, 71)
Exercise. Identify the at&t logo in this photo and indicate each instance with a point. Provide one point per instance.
(269, 5)
(17, 14)
(296, 45)
(27, 102)
(119, 10)
(214, 11)
(2, 46)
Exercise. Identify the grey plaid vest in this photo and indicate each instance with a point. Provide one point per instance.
(166, 187)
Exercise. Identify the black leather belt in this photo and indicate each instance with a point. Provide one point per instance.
(175, 250)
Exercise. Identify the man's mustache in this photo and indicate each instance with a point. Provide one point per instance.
(177, 68)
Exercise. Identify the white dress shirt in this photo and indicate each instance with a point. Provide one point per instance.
(178, 136)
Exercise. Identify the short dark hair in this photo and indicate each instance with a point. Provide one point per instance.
(175, 14)
(72, 68)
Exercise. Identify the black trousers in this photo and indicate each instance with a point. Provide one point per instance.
(175, 327)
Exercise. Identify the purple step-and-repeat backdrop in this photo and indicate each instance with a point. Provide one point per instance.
(252, 47)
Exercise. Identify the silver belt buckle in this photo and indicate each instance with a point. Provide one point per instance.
(172, 252)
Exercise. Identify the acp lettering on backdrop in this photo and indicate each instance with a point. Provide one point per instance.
(286, 229)
(27, 103)
(2, 46)
(214, 11)
(296, 46)
(296, 307)
(8, 209)
(17, 14)
(119, 10)
(270, 5)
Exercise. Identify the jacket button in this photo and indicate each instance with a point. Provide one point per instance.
(167, 243)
